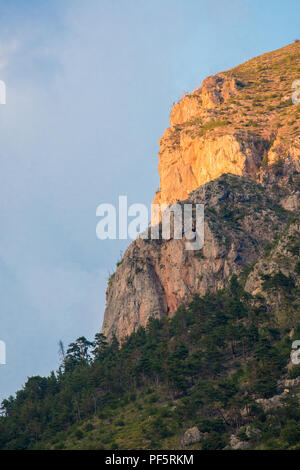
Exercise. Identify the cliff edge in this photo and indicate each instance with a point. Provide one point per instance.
(233, 145)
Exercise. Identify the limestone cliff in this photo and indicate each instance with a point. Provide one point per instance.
(241, 121)
(234, 146)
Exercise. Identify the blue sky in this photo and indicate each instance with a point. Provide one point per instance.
(89, 90)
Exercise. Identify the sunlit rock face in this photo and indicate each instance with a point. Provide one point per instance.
(241, 121)
(234, 146)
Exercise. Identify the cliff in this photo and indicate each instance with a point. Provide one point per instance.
(234, 146)
(241, 121)
(214, 370)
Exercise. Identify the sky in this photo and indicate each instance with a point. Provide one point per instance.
(90, 86)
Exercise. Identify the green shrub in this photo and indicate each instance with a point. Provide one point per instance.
(215, 441)
(291, 433)
(208, 126)
(277, 281)
(89, 427)
(294, 372)
(79, 434)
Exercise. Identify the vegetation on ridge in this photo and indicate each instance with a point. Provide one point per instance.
(202, 367)
(221, 363)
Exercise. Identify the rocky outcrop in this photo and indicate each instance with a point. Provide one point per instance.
(237, 444)
(191, 436)
(242, 122)
(192, 162)
(249, 434)
(273, 402)
(232, 145)
(156, 276)
(292, 382)
(275, 275)
(215, 90)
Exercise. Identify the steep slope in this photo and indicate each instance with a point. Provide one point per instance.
(204, 359)
(241, 124)
(156, 276)
(275, 276)
(241, 121)
(216, 375)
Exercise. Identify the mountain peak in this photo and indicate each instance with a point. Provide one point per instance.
(242, 121)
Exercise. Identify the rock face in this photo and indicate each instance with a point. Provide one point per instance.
(277, 272)
(156, 276)
(280, 258)
(194, 161)
(237, 444)
(273, 402)
(191, 436)
(241, 121)
(234, 146)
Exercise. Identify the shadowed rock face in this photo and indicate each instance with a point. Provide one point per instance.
(234, 146)
(156, 276)
(282, 257)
